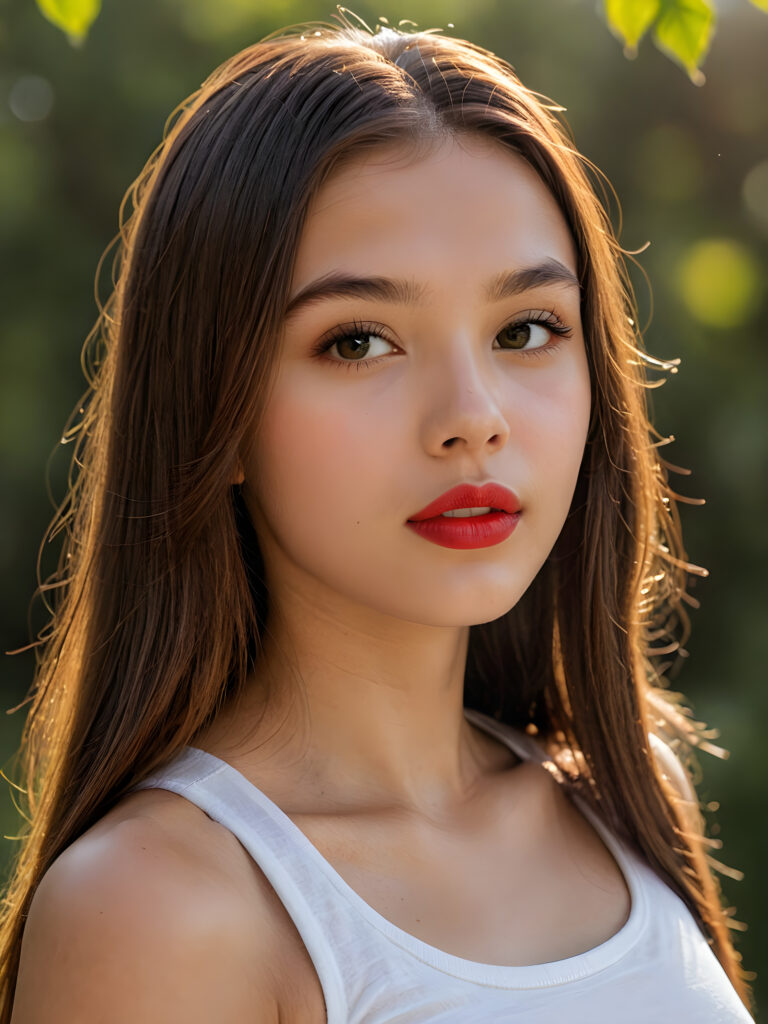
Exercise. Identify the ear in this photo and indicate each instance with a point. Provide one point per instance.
(238, 476)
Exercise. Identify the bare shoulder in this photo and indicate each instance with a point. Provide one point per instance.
(154, 914)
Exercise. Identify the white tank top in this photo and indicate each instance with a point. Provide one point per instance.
(658, 967)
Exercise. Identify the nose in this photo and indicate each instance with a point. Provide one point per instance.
(464, 403)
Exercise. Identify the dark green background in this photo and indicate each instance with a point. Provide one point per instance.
(690, 166)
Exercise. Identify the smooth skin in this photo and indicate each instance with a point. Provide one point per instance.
(157, 913)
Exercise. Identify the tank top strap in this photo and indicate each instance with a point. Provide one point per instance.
(519, 742)
(274, 843)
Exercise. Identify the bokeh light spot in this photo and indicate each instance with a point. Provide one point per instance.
(31, 98)
(720, 282)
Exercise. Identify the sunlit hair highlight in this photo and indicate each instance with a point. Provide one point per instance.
(159, 606)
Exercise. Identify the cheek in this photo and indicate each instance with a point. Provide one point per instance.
(323, 482)
(315, 450)
(550, 423)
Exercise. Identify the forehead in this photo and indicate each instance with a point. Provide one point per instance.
(465, 208)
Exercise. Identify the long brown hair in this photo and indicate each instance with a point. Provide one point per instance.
(160, 602)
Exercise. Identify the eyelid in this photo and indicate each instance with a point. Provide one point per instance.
(541, 316)
(343, 330)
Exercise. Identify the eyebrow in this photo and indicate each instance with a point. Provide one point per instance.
(508, 283)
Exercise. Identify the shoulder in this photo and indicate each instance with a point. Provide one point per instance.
(668, 764)
(672, 767)
(155, 914)
(677, 779)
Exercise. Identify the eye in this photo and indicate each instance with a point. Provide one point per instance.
(354, 340)
(533, 332)
(523, 335)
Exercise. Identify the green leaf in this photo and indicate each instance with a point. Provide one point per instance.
(684, 31)
(762, 4)
(630, 19)
(75, 17)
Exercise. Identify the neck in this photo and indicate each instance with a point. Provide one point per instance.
(363, 717)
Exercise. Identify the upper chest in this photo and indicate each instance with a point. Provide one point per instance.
(522, 879)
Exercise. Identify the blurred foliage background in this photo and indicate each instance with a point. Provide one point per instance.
(690, 166)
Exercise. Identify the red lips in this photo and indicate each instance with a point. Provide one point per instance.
(490, 495)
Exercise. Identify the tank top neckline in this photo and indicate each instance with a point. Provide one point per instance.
(526, 976)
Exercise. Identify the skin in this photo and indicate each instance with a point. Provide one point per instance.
(372, 618)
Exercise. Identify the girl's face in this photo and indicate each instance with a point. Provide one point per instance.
(427, 386)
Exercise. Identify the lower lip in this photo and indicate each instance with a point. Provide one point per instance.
(467, 531)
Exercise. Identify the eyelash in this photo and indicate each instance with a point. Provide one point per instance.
(357, 328)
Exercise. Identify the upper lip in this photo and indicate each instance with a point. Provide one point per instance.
(490, 495)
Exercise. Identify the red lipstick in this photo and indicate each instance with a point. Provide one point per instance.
(474, 531)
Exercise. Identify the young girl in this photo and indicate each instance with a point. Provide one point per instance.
(348, 710)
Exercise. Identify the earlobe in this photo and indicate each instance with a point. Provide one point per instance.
(238, 475)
